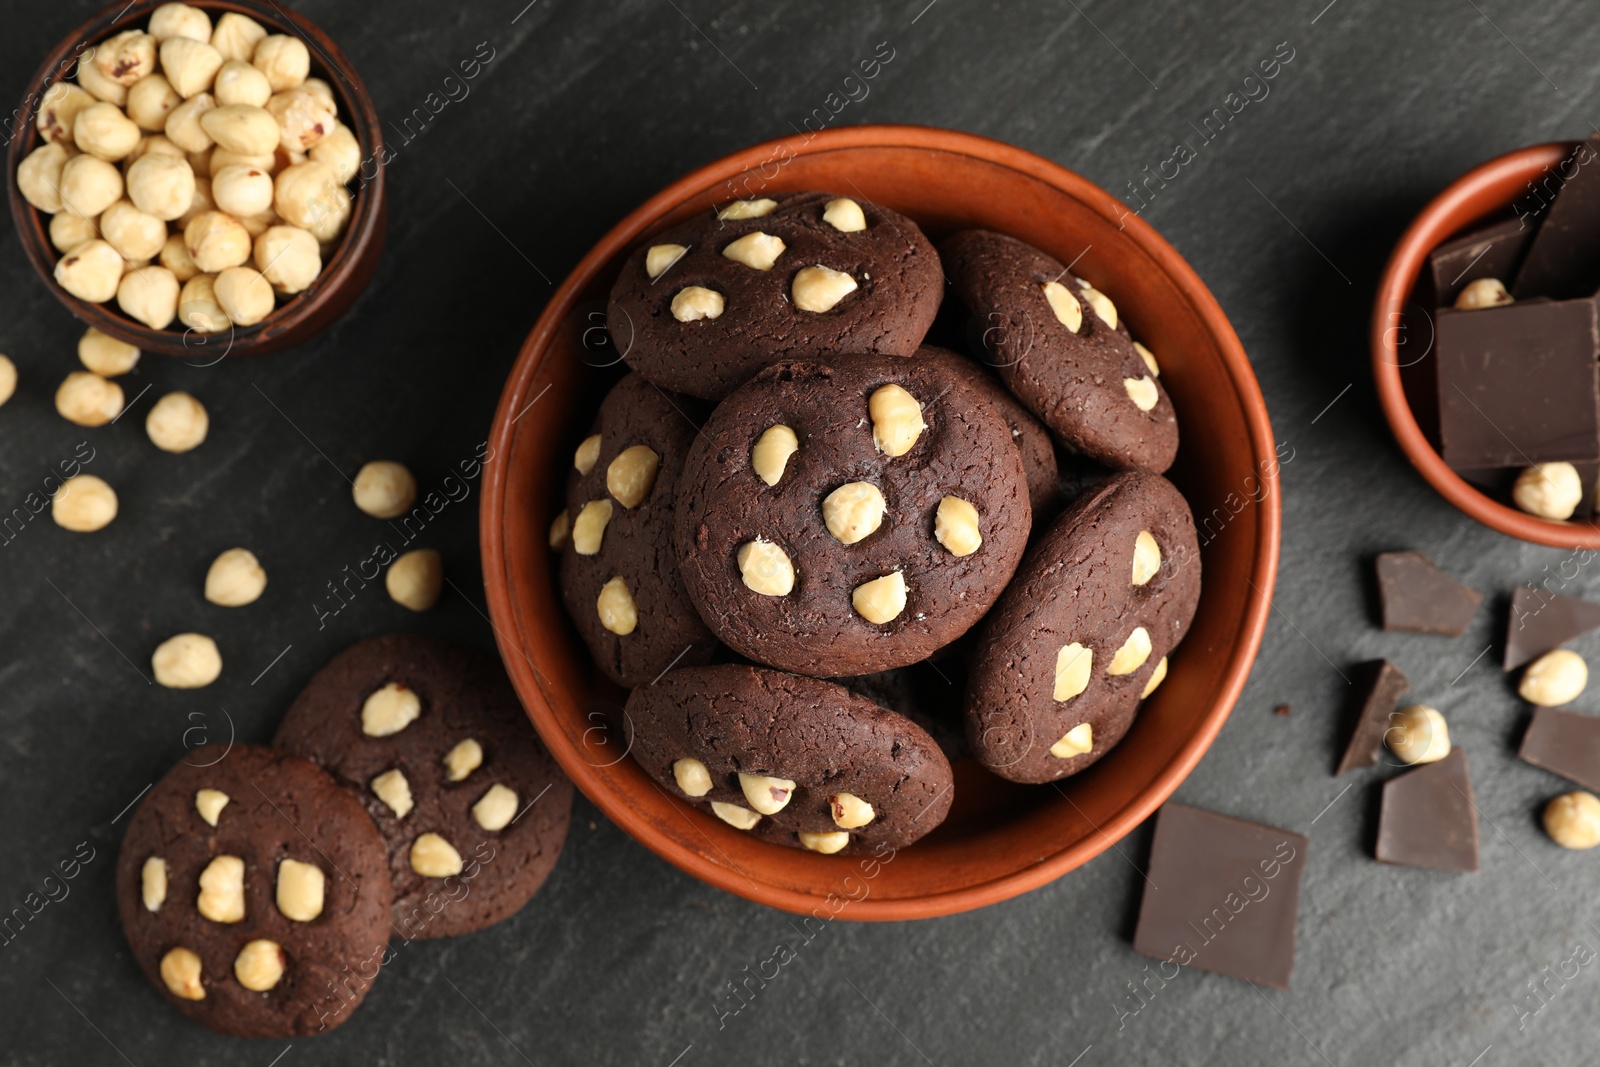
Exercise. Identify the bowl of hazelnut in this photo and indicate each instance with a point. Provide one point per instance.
(199, 178)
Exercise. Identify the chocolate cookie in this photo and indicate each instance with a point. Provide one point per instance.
(792, 760)
(1083, 632)
(432, 739)
(619, 573)
(703, 306)
(254, 893)
(849, 516)
(929, 694)
(1061, 347)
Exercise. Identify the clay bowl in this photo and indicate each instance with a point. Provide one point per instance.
(1001, 839)
(1402, 339)
(344, 274)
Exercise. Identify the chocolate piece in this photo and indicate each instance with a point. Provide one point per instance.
(1383, 685)
(1282, 709)
(1563, 261)
(1565, 743)
(1223, 895)
(1428, 819)
(1420, 598)
(1517, 384)
(1493, 251)
(1540, 621)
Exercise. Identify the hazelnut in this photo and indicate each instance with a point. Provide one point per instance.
(91, 271)
(191, 66)
(328, 216)
(384, 489)
(1067, 310)
(241, 190)
(309, 196)
(198, 308)
(415, 579)
(735, 816)
(180, 970)
(1418, 734)
(1146, 557)
(199, 204)
(1076, 742)
(83, 504)
(747, 209)
(896, 420)
(1554, 678)
(1074, 663)
(303, 120)
(560, 530)
(1142, 391)
(149, 294)
(288, 257)
(697, 302)
(323, 92)
(496, 808)
(158, 143)
(88, 399)
(1549, 490)
(632, 475)
(127, 57)
(390, 709)
(8, 378)
(1149, 358)
(283, 59)
(89, 185)
(240, 128)
(434, 857)
(1573, 820)
(1482, 293)
(184, 127)
(766, 794)
(1157, 676)
(133, 233)
(1131, 656)
(660, 258)
(68, 231)
(392, 788)
(103, 131)
(820, 288)
(589, 528)
(758, 251)
(177, 422)
(99, 86)
(826, 842)
(850, 812)
(186, 661)
(586, 454)
(57, 111)
(882, 599)
(216, 241)
(153, 883)
(766, 568)
(616, 608)
(259, 965)
(340, 151)
(853, 511)
(174, 256)
(150, 101)
(1104, 309)
(844, 215)
(462, 760)
(238, 82)
(209, 803)
(692, 776)
(179, 20)
(222, 890)
(235, 578)
(39, 177)
(771, 454)
(235, 36)
(301, 887)
(955, 526)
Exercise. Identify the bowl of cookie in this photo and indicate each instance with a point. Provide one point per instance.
(840, 537)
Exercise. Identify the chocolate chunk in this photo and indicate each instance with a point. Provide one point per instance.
(1381, 685)
(1428, 819)
(1563, 262)
(1420, 598)
(1489, 252)
(1566, 743)
(1223, 895)
(1517, 384)
(1541, 620)
(1281, 709)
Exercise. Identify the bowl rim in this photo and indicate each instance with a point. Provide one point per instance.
(367, 213)
(616, 242)
(1459, 206)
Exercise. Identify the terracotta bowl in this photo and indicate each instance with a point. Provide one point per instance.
(1402, 338)
(1001, 839)
(344, 274)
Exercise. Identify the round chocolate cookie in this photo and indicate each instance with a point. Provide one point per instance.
(791, 760)
(1060, 346)
(255, 894)
(1083, 632)
(845, 517)
(703, 306)
(432, 739)
(927, 693)
(619, 572)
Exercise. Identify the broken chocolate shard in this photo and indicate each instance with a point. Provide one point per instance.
(1565, 743)
(1541, 620)
(1282, 709)
(1493, 251)
(1380, 685)
(1418, 597)
(1223, 895)
(1428, 818)
(1563, 260)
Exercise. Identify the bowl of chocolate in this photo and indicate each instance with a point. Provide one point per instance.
(1485, 344)
(778, 323)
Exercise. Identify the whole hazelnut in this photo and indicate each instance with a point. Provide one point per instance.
(240, 83)
(415, 579)
(384, 489)
(179, 20)
(258, 224)
(186, 661)
(39, 177)
(127, 57)
(8, 378)
(150, 101)
(1549, 490)
(283, 59)
(323, 92)
(68, 231)
(1554, 678)
(340, 150)
(235, 36)
(191, 66)
(303, 120)
(161, 185)
(105, 355)
(97, 84)
(198, 308)
(177, 422)
(1573, 820)
(89, 185)
(174, 256)
(236, 578)
(241, 190)
(91, 271)
(199, 204)
(58, 109)
(1483, 293)
(158, 143)
(308, 193)
(184, 128)
(133, 233)
(289, 258)
(83, 504)
(241, 128)
(1418, 734)
(244, 294)
(216, 241)
(149, 294)
(103, 131)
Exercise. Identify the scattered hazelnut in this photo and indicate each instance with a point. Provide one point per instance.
(844, 215)
(586, 454)
(632, 475)
(88, 399)
(1142, 391)
(153, 883)
(1074, 663)
(235, 36)
(560, 530)
(896, 420)
(747, 209)
(392, 788)
(1104, 309)
(692, 776)
(820, 288)
(198, 308)
(241, 190)
(180, 970)
(58, 109)
(240, 128)
(99, 86)
(1554, 678)
(766, 568)
(179, 20)
(103, 131)
(853, 511)
(955, 526)
(150, 101)
(150, 295)
(850, 812)
(1076, 742)
(88, 186)
(1573, 820)
(39, 177)
(184, 127)
(589, 528)
(216, 241)
(771, 454)
(826, 842)
(174, 256)
(1418, 734)
(187, 661)
(288, 257)
(462, 760)
(1067, 310)
(209, 803)
(235, 578)
(238, 82)
(340, 151)
(735, 816)
(496, 808)
(766, 794)
(8, 378)
(384, 489)
(882, 599)
(1131, 656)
(1157, 676)
(259, 965)
(222, 890)
(1549, 490)
(83, 504)
(301, 887)
(308, 195)
(1146, 557)
(133, 233)
(191, 66)
(415, 579)
(616, 608)
(660, 258)
(389, 710)
(1482, 293)
(303, 120)
(283, 59)
(68, 231)
(91, 271)
(758, 251)
(696, 302)
(434, 857)
(1149, 358)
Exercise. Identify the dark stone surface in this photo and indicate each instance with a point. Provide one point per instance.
(587, 109)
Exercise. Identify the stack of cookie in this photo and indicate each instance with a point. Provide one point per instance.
(795, 504)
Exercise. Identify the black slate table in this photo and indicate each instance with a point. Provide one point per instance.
(580, 112)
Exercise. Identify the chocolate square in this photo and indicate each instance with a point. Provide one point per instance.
(1419, 597)
(1428, 819)
(1565, 743)
(1563, 260)
(1493, 251)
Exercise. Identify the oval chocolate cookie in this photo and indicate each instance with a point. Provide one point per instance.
(1083, 633)
(432, 739)
(1060, 346)
(255, 893)
(702, 307)
(791, 760)
(619, 572)
(849, 516)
